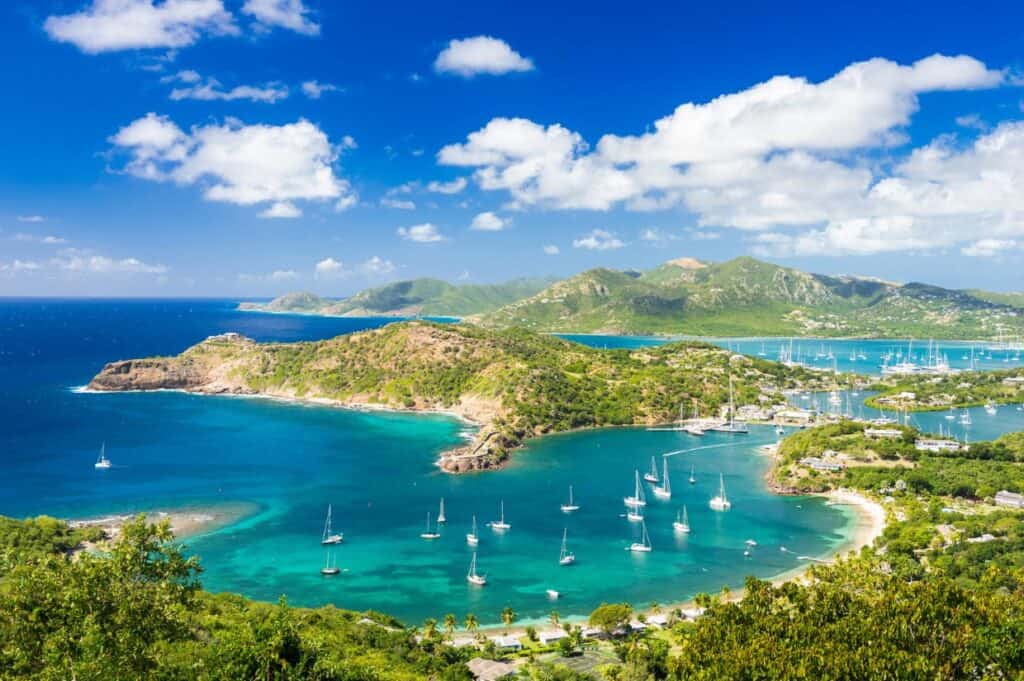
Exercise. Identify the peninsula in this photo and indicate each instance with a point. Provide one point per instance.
(514, 384)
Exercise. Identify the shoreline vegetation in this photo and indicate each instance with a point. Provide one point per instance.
(515, 385)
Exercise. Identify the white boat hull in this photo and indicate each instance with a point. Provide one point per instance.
(681, 528)
(719, 505)
(566, 508)
(472, 539)
(476, 580)
(634, 502)
(639, 548)
(430, 535)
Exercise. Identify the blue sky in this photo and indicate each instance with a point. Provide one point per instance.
(147, 143)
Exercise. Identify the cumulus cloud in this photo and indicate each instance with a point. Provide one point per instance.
(234, 162)
(111, 25)
(315, 89)
(79, 261)
(424, 234)
(275, 276)
(18, 266)
(480, 55)
(282, 209)
(453, 187)
(488, 222)
(330, 268)
(289, 14)
(989, 248)
(598, 240)
(48, 240)
(782, 155)
(550, 249)
(212, 90)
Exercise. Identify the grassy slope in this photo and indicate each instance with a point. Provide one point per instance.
(745, 296)
(425, 296)
(520, 384)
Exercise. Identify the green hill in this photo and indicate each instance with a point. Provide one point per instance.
(429, 297)
(745, 296)
(514, 383)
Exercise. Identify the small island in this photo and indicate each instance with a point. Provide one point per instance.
(513, 384)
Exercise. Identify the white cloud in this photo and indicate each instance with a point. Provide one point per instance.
(290, 14)
(18, 266)
(550, 249)
(376, 266)
(481, 54)
(234, 162)
(48, 240)
(110, 25)
(703, 235)
(346, 202)
(330, 268)
(989, 248)
(31, 218)
(315, 89)
(276, 276)
(598, 240)
(424, 234)
(400, 204)
(453, 187)
(211, 89)
(782, 155)
(77, 261)
(282, 209)
(488, 222)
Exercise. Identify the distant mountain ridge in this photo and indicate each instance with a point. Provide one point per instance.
(414, 297)
(745, 296)
(739, 297)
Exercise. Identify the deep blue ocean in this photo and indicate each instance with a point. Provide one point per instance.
(279, 465)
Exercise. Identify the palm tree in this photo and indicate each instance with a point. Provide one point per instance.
(429, 628)
(508, 616)
(655, 608)
(471, 623)
(554, 618)
(450, 624)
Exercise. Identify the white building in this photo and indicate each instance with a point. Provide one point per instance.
(820, 464)
(507, 642)
(550, 636)
(927, 445)
(883, 432)
(1009, 499)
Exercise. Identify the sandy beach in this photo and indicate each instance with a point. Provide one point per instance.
(186, 522)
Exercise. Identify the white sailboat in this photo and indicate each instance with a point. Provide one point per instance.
(330, 568)
(103, 462)
(693, 480)
(472, 577)
(721, 502)
(565, 557)
(644, 545)
(634, 515)
(571, 506)
(472, 539)
(441, 520)
(681, 524)
(652, 475)
(329, 536)
(665, 491)
(428, 533)
(732, 425)
(637, 499)
(500, 524)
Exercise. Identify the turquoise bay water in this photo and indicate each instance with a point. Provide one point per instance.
(857, 355)
(286, 462)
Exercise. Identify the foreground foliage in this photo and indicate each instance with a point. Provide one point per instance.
(137, 612)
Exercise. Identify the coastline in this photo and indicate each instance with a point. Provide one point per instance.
(185, 522)
(869, 523)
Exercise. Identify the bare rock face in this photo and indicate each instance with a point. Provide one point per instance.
(146, 374)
